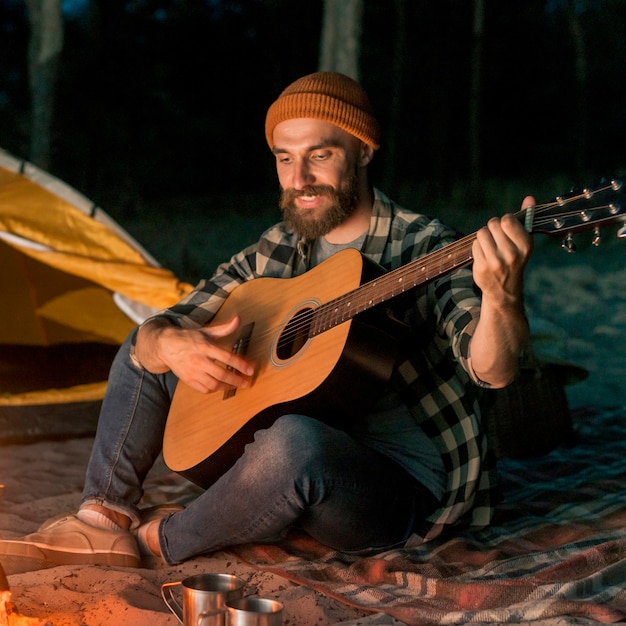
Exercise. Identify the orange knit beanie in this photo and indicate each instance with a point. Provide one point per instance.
(327, 96)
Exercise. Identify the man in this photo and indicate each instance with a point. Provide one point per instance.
(414, 464)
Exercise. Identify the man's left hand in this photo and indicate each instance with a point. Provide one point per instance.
(501, 250)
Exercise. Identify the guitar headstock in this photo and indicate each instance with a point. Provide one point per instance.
(587, 209)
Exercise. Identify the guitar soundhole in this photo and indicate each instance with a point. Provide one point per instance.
(294, 335)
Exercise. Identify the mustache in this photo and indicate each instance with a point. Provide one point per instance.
(309, 190)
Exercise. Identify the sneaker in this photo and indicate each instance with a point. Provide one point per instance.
(153, 514)
(66, 540)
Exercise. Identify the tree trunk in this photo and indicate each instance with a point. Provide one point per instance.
(396, 97)
(475, 93)
(581, 73)
(341, 37)
(44, 49)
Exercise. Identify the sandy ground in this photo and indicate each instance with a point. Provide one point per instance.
(577, 309)
(45, 478)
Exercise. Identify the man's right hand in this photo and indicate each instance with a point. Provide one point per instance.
(192, 355)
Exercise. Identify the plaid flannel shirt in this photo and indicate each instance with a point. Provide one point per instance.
(437, 381)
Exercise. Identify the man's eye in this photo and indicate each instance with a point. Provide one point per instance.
(320, 156)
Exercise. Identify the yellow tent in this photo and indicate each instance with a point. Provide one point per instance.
(73, 283)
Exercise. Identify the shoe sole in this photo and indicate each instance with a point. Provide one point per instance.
(45, 553)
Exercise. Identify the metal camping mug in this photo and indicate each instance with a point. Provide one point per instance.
(203, 593)
(248, 611)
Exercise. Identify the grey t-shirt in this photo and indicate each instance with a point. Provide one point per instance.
(390, 428)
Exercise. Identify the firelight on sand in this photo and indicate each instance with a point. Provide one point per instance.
(9, 615)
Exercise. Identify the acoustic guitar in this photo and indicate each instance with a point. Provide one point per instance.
(322, 343)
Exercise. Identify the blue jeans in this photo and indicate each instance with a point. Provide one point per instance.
(298, 473)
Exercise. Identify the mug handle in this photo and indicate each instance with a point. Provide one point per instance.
(206, 614)
(177, 609)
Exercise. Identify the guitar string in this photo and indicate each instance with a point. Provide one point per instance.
(440, 259)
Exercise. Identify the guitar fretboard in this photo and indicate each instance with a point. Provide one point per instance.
(392, 284)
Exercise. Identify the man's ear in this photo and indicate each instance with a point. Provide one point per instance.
(366, 155)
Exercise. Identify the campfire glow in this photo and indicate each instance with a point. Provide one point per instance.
(9, 615)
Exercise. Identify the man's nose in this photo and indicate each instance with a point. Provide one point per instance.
(302, 175)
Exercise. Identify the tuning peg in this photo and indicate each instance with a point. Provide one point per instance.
(568, 244)
(596, 237)
(621, 233)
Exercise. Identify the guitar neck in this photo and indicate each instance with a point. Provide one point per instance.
(577, 211)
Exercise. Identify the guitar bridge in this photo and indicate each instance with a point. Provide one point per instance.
(240, 347)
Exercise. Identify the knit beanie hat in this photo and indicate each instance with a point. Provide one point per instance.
(327, 96)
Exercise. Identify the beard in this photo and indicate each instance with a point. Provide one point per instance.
(303, 221)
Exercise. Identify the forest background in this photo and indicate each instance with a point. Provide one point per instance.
(155, 110)
(136, 103)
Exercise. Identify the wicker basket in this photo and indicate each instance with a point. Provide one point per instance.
(531, 416)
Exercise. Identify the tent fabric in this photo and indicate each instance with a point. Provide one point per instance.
(73, 284)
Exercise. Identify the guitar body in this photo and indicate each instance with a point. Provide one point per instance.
(331, 376)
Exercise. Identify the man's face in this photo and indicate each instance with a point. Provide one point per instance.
(317, 165)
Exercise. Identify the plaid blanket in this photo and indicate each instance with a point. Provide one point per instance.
(556, 552)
